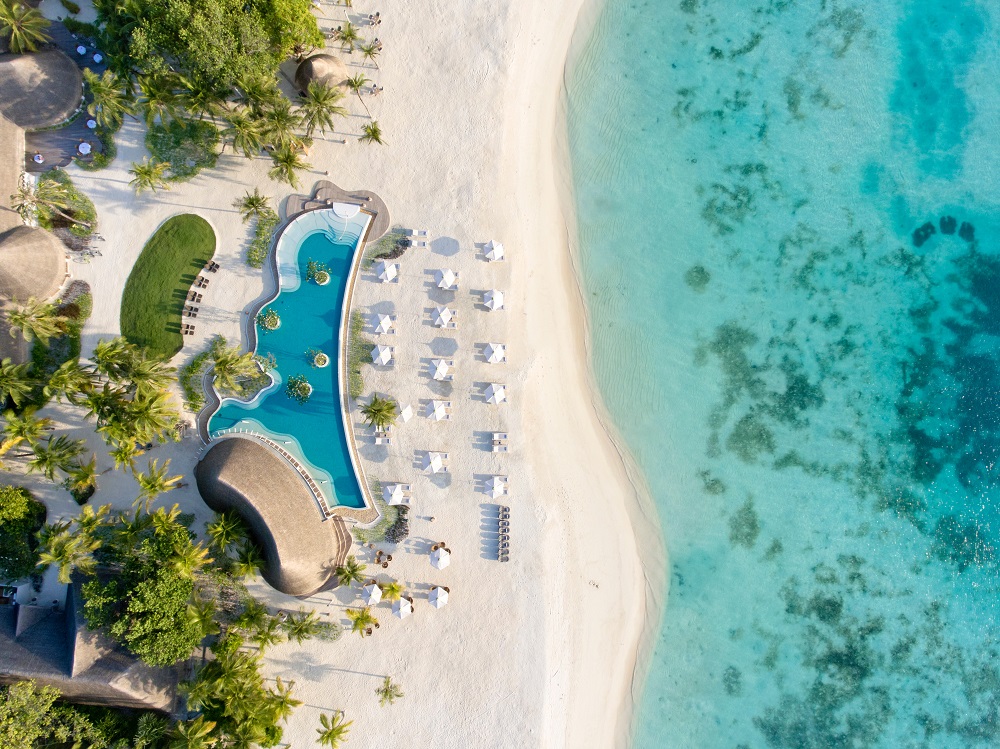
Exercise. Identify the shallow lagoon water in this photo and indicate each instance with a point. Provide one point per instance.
(789, 229)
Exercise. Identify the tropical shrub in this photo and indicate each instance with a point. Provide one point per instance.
(20, 518)
(78, 207)
(70, 6)
(317, 358)
(268, 320)
(297, 388)
(188, 147)
(260, 245)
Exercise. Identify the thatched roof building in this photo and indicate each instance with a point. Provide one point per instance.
(55, 648)
(11, 166)
(300, 547)
(322, 67)
(32, 264)
(39, 90)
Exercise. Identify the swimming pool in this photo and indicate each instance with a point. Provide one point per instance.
(311, 317)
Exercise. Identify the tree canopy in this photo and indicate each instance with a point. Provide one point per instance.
(20, 517)
(213, 44)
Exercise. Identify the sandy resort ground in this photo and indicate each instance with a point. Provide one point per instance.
(537, 652)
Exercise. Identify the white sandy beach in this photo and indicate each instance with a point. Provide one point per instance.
(540, 651)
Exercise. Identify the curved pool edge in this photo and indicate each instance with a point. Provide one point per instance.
(363, 515)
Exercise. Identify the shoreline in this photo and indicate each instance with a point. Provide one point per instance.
(642, 534)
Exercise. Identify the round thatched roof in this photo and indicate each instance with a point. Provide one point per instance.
(300, 548)
(40, 89)
(326, 68)
(32, 264)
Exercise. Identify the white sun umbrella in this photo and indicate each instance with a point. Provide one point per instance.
(493, 299)
(434, 462)
(386, 271)
(402, 608)
(496, 394)
(494, 250)
(438, 597)
(496, 487)
(438, 412)
(407, 413)
(446, 278)
(440, 369)
(382, 355)
(393, 494)
(442, 316)
(371, 594)
(385, 324)
(495, 353)
(440, 558)
(84, 148)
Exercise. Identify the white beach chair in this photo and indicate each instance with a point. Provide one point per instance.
(418, 245)
(416, 233)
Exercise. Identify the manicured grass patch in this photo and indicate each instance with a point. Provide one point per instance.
(188, 147)
(157, 288)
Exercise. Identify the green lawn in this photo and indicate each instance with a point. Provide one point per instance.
(157, 288)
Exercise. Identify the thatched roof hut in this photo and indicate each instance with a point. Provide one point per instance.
(32, 264)
(55, 648)
(300, 548)
(39, 90)
(322, 67)
(11, 166)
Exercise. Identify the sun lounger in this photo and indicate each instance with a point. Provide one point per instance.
(449, 378)
(418, 244)
(416, 233)
(499, 436)
(383, 441)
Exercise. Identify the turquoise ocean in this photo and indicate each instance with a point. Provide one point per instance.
(789, 244)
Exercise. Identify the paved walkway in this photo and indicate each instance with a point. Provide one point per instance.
(58, 147)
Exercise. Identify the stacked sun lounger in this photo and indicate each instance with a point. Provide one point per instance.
(503, 534)
(499, 442)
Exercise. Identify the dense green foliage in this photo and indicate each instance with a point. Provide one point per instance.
(263, 232)
(156, 289)
(188, 147)
(359, 351)
(78, 206)
(144, 604)
(46, 358)
(297, 388)
(214, 44)
(190, 381)
(20, 518)
(33, 718)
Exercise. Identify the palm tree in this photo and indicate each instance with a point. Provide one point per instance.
(57, 454)
(114, 358)
(350, 572)
(333, 730)
(23, 427)
(281, 700)
(356, 83)
(201, 611)
(252, 205)
(201, 98)
(372, 133)
(189, 558)
(388, 692)
(300, 628)
(148, 376)
(25, 26)
(154, 482)
(248, 560)
(83, 476)
(66, 550)
(148, 416)
(124, 454)
(257, 92)
(193, 734)
(158, 96)
(244, 132)
(149, 175)
(226, 530)
(228, 365)
(110, 98)
(89, 519)
(70, 381)
(380, 412)
(268, 633)
(391, 591)
(319, 105)
(15, 382)
(348, 36)
(286, 163)
(278, 124)
(35, 319)
(48, 193)
(361, 620)
(369, 52)
(149, 730)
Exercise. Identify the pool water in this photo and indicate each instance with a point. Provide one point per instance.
(310, 319)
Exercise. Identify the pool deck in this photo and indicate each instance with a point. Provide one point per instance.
(324, 194)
